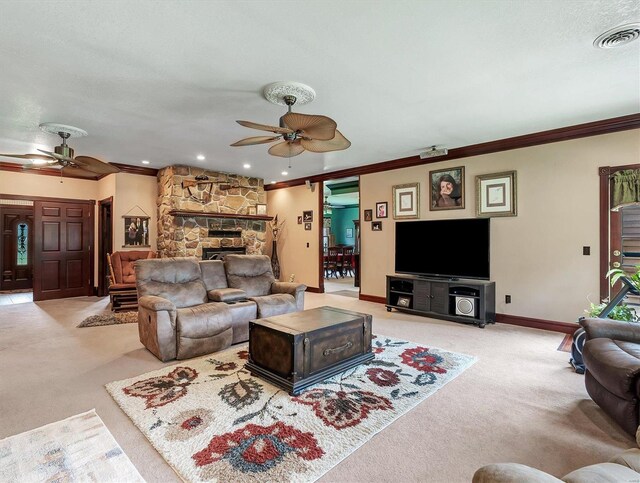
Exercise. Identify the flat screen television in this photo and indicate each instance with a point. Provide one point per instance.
(443, 248)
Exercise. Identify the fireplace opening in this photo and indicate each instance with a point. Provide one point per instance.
(214, 233)
(220, 252)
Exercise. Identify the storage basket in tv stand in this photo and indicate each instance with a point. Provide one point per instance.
(458, 300)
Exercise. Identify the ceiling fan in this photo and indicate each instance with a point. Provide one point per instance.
(63, 155)
(296, 132)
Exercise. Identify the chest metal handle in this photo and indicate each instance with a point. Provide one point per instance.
(328, 352)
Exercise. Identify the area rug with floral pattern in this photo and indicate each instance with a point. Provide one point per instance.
(212, 421)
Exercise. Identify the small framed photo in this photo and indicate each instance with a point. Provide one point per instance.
(307, 226)
(307, 216)
(299, 220)
(446, 188)
(252, 210)
(368, 215)
(261, 209)
(349, 233)
(376, 225)
(496, 194)
(404, 302)
(381, 209)
(406, 201)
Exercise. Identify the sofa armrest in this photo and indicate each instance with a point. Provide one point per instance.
(512, 473)
(611, 329)
(226, 294)
(156, 304)
(288, 287)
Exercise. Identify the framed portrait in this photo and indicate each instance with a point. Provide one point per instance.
(376, 225)
(446, 189)
(136, 231)
(381, 209)
(368, 215)
(252, 210)
(496, 194)
(349, 233)
(299, 220)
(261, 209)
(404, 302)
(406, 201)
(307, 216)
(307, 226)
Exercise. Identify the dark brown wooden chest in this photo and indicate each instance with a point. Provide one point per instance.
(294, 351)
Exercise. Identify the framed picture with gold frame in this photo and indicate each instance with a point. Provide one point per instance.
(496, 194)
(406, 201)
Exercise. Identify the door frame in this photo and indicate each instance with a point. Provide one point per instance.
(29, 210)
(608, 218)
(320, 188)
(63, 200)
(102, 271)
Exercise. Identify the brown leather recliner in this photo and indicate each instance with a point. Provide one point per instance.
(612, 358)
(122, 278)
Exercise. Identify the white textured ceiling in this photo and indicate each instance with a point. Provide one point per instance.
(165, 80)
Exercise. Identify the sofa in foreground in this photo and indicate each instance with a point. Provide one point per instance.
(190, 307)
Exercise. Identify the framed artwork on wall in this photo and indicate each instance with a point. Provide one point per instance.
(496, 194)
(299, 220)
(349, 233)
(381, 209)
(307, 226)
(368, 215)
(446, 188)
(307, 216)
(376, 226)
(406, 201)
(136, 231)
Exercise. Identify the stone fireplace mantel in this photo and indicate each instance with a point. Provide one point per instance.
(200, 214)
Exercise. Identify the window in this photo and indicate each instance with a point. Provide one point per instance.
(23, 244)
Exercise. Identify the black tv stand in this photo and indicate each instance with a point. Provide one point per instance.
(458, 300)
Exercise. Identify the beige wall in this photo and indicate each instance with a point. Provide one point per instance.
(536, 257)
(41, 185)
(294, 255)
(135, 195)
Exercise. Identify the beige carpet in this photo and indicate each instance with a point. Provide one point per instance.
(212, 421)
(520, 402)
(79, 448)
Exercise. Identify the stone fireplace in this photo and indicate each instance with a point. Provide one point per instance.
(209, 216)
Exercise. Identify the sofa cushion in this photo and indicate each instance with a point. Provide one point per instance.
(213, 274)
(251, 273)
(629, 458)
(276, 304)
(226, 295)
(241, 314)
(176, 279)
(511, 473)
(614, 364)
(123, 264)
(602, 473)
(118, 287)
(202, 330)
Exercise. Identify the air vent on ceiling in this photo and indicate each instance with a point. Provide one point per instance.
(618, 36)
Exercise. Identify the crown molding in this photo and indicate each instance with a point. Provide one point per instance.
(606, 126)
(124, 168)
(127, 168)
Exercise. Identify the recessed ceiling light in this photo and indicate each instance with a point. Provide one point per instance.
(144, 161)
(273, 182)
(284, 173)
(38, 161)
(200, 157)
(246, 165)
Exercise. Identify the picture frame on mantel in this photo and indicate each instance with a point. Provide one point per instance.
(497, 194)
(136, 232)
(261, 209)
(252, 210)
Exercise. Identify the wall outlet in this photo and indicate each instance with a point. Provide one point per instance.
(586, 250)
(507, 299)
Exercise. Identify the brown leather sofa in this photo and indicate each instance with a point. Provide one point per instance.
(122, 278)
(612, 358)
(189, 308)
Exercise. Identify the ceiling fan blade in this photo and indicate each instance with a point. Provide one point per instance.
(95, 165)
(265, 127)
(286, 149)
(256, 140)
(28, 156)
(75, 170)
(338, 143)
(56, 155)
(321, 128)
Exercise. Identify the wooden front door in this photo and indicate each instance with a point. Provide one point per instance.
(16, 261)
(63, 250)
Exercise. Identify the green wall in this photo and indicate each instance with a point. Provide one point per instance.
(341, 219)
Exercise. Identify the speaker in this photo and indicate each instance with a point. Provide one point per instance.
(466, 306)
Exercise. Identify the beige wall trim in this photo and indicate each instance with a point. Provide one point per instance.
(555, 326)
(596, 128)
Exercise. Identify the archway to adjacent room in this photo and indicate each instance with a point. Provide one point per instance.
(340, 263)
(105, 239)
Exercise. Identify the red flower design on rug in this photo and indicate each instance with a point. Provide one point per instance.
(244, 355)
(342, 409)
(383, 377)
(190, 423)
(421, 359)
(257, 449)
(162, 390)
(227, 366)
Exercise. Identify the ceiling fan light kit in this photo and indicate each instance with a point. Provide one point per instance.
(298, 132)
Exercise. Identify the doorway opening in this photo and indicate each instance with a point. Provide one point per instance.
(16, 251)
(105, 238)
(341, 236)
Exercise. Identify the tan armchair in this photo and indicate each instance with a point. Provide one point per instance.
(122, 278)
